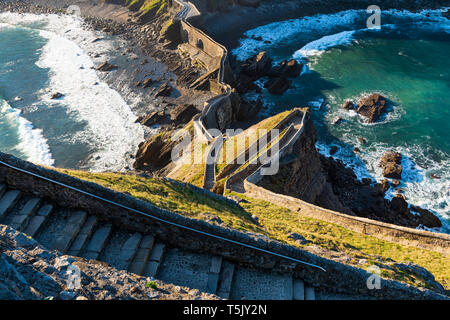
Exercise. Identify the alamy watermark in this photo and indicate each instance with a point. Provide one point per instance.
(374, 21)
(374, 281)
(74, 10)
(73, 277)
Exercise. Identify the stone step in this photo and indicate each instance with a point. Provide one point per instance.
(8, 201)
(97, 242)
(309, 293)
(2, 190)
(214, 274)
(187, 269)
(19, 220)
(299, 290)
(70, 231)
(225, 280)
(142, 255)
(128, 251)
(256, 285)
(155, 259)
(83, 236)
(37, 221)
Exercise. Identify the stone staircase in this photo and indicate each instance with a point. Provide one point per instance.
(236, 181)
(77, 233)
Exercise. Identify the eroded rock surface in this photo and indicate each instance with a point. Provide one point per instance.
(391, 163)
(328, 183)
(372, 107)
(30, 271)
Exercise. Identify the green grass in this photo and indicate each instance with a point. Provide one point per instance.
(362, 250)
(148, 5)
(277, 223)
(171, 196)
(152, 285)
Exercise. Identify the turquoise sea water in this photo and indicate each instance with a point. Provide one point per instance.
(20, 77)
(31, 128)
(91, 126)
(407, 61)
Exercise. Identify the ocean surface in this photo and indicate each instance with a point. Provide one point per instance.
(91, 126)
(406, 60)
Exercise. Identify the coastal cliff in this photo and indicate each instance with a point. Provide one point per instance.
(314, 178)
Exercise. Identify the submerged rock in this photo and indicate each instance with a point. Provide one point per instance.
(278, 85)
(57, 95)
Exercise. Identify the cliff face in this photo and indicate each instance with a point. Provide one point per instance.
(305, 177)
(322, 181)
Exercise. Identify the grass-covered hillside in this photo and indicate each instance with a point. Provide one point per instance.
(323, 238)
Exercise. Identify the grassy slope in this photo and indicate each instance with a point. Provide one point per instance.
(276, 222)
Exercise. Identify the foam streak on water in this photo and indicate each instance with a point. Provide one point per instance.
(111, 131)
(32, 143)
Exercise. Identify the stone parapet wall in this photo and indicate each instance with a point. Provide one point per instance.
(407, 236)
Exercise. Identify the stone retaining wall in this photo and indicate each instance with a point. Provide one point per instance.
(407, 236)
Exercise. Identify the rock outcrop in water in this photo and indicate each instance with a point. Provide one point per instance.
(391, 163)
(328, 183)
(372, 107)
(260, 66)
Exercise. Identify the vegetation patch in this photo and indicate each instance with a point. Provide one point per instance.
(322, 238)
(172, 196)
(360, 250)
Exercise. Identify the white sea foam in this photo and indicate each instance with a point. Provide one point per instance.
(110, 124)
(323, 25)
(285, 31)
(321, 45)
(32, 143)
(420, 189)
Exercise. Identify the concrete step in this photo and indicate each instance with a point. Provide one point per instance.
(187, 269)
(214, 274)
(97, 242)
(70, 231)
(142, 255)
(2, 190)
(256, 285)
(19, 220)
(8, 201)
(83, 236)
(155, 259)
(299, 290)
(310, 293)
(37, 221)
(225, 280)
(128, 251)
